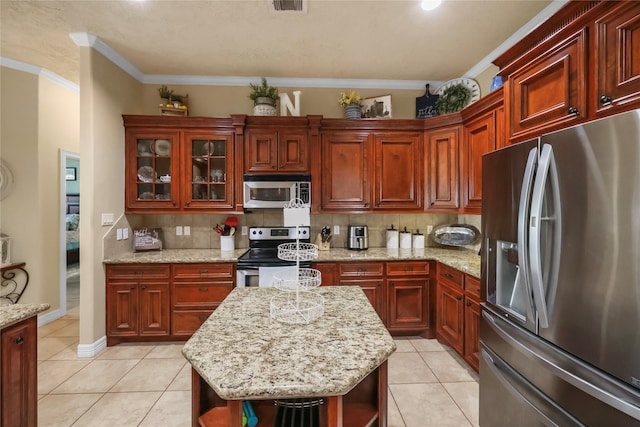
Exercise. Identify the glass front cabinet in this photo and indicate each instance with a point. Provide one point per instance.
(172, 165)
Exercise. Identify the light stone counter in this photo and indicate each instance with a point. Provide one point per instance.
(244, 354)
(461, 259)
(14, 313)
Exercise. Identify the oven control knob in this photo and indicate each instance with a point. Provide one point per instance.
(253, 232)
(260, 232)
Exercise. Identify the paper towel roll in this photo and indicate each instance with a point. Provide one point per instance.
(405, 240)
(392, 238)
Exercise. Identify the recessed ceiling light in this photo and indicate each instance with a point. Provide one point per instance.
(430, 4)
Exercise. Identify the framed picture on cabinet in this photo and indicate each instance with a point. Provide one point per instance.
(70, 174)
(377, 108)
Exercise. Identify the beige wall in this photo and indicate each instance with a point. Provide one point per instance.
(39, 117)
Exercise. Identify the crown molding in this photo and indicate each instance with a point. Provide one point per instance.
(38, 71)
(544, 14)
(89, 40)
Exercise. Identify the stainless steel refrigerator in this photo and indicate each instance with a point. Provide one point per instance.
(560, 331)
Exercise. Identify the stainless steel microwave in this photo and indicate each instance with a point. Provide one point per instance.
(275, 191)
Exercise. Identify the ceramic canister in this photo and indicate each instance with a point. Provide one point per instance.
(418, 240)
(392, 238)
(405, 239)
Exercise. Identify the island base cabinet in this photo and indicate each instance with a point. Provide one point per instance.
(364, 406)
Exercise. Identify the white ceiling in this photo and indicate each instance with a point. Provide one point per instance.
(334, 39)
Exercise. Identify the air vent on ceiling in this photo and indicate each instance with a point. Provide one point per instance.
(290, 5)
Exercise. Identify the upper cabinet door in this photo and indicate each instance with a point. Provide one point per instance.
(550, 91)
(442, 161)
(208, 170)
(479, 138)
(398, 170)
(284, 151)
(345, 180)
(618, 59)
(293, 151)
(152, 171)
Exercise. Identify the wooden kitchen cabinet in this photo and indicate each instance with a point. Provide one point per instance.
(450, 313)
(276, 151)
(397, 175)
(442, 168)
(137, 303)
(328, 271)
(618, 60)
(18, 384)
(346, 167)
(196, 291)
(479, 139)
(472, 316)
(408, 290)
(180, 164)
(370, 277)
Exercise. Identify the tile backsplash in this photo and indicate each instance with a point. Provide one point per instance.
(203, 235)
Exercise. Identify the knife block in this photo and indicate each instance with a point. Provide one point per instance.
(322, 246)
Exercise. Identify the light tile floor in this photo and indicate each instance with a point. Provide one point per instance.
(149, 384)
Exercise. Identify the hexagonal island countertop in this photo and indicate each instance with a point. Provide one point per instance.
(242, 353)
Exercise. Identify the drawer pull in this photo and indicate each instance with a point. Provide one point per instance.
(448, 276)
(604, 99)
(573, 111)
(204, 289)
(19, 340)
(459, 297)
(468, 303)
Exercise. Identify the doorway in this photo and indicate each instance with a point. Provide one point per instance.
(69, 232)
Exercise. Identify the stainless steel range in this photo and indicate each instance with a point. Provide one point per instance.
(257, 266)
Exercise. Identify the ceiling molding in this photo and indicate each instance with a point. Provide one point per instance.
(544, 14)
(39, 71)
(89, 40)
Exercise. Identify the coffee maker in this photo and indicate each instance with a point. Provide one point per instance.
(358, 237)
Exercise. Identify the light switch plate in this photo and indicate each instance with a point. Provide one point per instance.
(187, 230)
(107, 219)
(245, 230)
(336, 230)
(119, 234)
(125, 233)
(178, 230)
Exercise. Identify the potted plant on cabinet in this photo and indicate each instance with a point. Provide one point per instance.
(352, 104)
(264, 98)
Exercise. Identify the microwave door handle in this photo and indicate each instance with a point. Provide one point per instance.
(523, 272)
(546, 171)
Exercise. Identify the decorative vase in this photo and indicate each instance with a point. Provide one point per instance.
(264, 106)
(352, 111)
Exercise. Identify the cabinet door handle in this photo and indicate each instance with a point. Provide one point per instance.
(459, 297)
(468, 303)
(604, 99)
(448, 276)
(573, 110)
(187, 204)
(19, 340)
(143, 287)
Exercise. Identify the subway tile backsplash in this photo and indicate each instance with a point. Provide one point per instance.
(203, 235)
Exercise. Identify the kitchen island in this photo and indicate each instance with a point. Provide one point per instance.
(241, 354)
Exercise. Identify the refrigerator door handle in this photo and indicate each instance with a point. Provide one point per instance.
(546, 170)
(547, 412)
(524, 270)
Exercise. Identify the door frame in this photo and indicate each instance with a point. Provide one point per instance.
(64, 156)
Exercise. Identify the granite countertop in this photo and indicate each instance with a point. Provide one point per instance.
(14, 313)
(464, 260)
(242, 353)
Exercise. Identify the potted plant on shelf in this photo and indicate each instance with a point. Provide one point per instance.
(173, 104)
(264, 98)
(352, 104)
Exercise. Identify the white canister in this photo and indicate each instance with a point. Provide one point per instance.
(405, 239)
(392, 238)
(418, 240)
(227, 243)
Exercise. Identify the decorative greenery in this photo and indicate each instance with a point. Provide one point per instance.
(350, 98)
(453, 99)
(263, 91)
(167, 94)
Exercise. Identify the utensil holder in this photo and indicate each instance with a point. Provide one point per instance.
(227, 243)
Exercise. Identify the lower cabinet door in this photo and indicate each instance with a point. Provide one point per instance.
(122, 309)
(19, 373)
(472, 315)
(408, 303)
(373, 289)
(450, 315)
(154, 309)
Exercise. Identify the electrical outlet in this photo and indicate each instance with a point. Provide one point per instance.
(107, 219)
(245, 230)
(119, 234)
(429, 228)
(187, 230)
(125, 233)
(336, 230)
(178, 230)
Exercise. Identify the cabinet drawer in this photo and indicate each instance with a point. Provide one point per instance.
(203, 271)
(138, 271)
(194, 294)
(408, 268)
(472, 285)
(186, 322)
(451, 274)
(359, 269)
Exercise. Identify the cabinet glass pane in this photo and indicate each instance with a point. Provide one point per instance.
(209, 169)
(154, 169)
